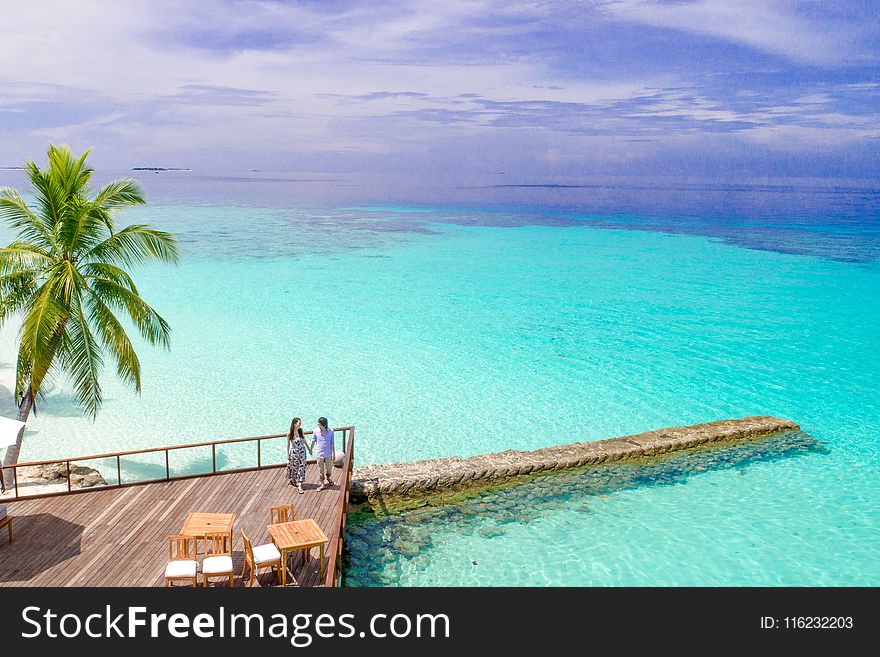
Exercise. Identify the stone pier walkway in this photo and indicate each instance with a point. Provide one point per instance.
(401, 485)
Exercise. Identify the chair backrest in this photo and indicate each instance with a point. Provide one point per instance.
(217, 545)
(248, 550)
(281, 513)
(181, 548)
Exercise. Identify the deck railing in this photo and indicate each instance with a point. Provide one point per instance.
(333, 577)
(116, 458)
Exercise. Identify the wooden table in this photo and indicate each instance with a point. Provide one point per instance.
(199, 524)
(297, 535)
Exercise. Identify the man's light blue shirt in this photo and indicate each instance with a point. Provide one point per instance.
(324, 444)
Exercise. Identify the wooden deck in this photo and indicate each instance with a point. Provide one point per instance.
(118, 536)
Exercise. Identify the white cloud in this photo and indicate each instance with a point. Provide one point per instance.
(768, 25)
(807, 139)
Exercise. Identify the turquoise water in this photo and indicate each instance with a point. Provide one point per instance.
(623, 525)
(441, 331)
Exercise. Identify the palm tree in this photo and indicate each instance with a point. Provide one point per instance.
(65, 276)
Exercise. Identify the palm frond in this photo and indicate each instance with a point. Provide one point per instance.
(42, 329)
(49, 194)
(120, 193)
(82, 360)
(15, 211)
(80, 230)
(23, 256)
(45, 313)
(12, 281)
(71, 172)
(15, 290)
(115, 340)
(152, 327)
(134, 245)
(111, 272)
(103, 218)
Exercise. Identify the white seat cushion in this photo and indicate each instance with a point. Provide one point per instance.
(266, 553)
(217, 565)
(2, 511)
(181, 568)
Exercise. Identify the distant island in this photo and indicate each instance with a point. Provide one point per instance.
(15, 168)
(159, 169)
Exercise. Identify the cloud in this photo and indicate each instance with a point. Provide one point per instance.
(771, 26)
(245, 82)
(801, 138)
(209, 94)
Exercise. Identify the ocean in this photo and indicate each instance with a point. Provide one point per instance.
(460, 316)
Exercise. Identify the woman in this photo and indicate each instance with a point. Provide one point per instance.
(296, 455)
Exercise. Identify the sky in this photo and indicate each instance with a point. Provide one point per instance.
(533, 89)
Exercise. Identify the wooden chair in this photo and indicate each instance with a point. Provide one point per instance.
(6, 521)
(284, 513)
(281, 513)
(262, 556)
(218, 558)
(182, 565)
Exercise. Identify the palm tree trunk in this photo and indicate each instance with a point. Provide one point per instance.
(24, 411)
(27, 403)
(12, 452)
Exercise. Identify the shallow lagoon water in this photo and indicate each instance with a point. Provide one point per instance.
(440, 329)
(617, 516)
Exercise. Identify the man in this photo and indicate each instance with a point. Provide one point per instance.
(326, 452)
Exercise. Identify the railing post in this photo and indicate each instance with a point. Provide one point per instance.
(15, 478)
(259, 444)
(68, 476)
(167, 467)
(118, 471)
(214, 458)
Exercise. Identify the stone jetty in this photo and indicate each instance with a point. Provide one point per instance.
(447, 480)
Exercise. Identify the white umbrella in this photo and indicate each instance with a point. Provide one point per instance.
(9, 429)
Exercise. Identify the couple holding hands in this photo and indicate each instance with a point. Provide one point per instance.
(322, 438)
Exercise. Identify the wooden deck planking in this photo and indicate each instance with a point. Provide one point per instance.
(118, 536)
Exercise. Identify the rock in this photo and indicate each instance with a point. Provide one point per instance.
(464, 529)
(89, 480)
(49, 472)
(407, 549)
(490, 531)
(81, 476)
